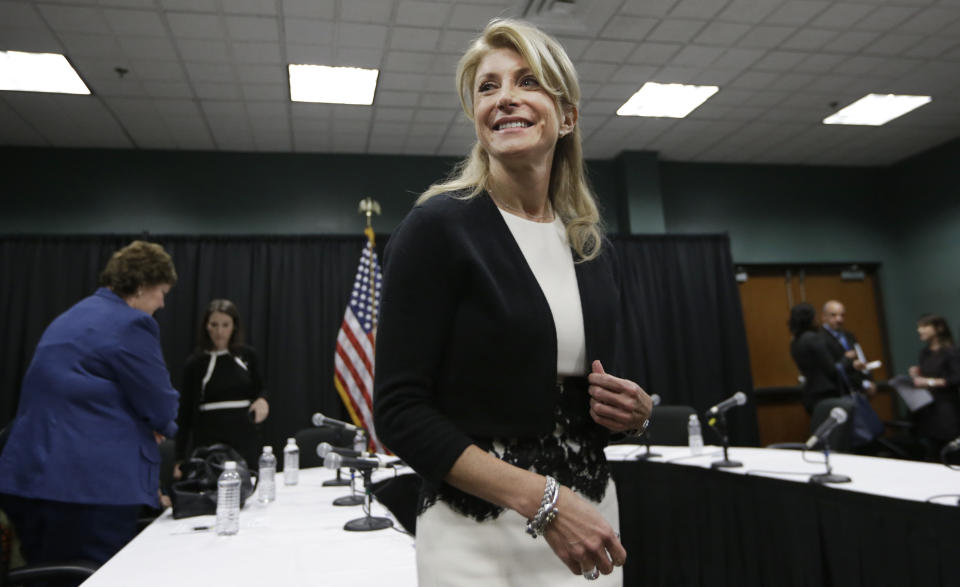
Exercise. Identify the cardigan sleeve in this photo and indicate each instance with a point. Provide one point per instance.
(420, 298)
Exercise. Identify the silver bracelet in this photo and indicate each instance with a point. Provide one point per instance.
(547, 511)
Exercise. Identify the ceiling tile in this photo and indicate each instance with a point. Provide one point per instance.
(309, 31)
(83, 19)
(615, 51)
(203, 50)
(796, 12)
(673, 30)
(361, 35)
(196, 26)
(310, 8)
(367, 11)
(135, 22)
(258, 7)
(766, 36)
(415, 13)
(252, 28)
(256, 52)
(414, 39)
(721, 33)
(630, 28)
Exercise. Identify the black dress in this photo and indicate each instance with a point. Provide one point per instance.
(940, 420)
(209, 379)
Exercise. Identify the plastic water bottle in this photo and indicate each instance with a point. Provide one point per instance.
(360, 441)
(291, 462)
(267, 483)
(228, 500)
(693, 432)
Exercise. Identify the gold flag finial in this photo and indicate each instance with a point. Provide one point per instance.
(369, 206)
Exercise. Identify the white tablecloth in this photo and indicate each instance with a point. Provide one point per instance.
(299, 539)
(909, 480)
(296, 540)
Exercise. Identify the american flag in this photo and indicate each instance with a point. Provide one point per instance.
(356, 341)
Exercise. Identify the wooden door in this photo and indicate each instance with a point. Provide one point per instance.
(767, 294)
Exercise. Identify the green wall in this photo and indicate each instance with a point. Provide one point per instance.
(925, 217)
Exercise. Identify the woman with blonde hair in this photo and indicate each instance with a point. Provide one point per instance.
(499, 319)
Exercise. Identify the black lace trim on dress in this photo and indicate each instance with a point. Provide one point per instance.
(573, 454)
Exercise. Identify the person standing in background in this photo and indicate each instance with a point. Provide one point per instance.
(82, 455)
(223, 394)
(843, 348)
(938, 370)
(821, 377)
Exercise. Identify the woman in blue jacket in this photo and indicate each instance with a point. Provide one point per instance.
(96, 401)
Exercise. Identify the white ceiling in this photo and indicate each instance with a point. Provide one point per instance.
(211, 74)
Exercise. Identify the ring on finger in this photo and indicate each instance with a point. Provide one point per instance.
(591, 574)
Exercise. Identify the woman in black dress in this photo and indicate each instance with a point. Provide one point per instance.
(222, 396)
(938, 370)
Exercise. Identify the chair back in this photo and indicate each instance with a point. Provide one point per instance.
(841, 437)
(309, 438)
(668, 425)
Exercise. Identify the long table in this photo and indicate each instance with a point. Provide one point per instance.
(296, 540)
(685, 524)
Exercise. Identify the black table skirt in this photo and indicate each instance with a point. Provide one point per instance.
(689, 526)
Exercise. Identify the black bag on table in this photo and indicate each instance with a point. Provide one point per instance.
(195, 494)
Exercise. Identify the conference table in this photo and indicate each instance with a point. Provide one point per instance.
(297, 540)
(682, 522)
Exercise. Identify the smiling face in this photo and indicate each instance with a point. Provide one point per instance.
(516, 120)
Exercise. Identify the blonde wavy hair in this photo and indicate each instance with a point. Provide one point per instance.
(570, 194)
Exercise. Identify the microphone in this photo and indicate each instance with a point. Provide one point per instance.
(737, 399)
(655, 398)
(951, 446)
(319, 419)
(335, 461)
(325, 448)
(837, 416)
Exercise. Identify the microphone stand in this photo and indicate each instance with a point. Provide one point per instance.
(720, 425)
(354, 498)
(338, 482)
(647, 455)
(368, 522)
(829, 476)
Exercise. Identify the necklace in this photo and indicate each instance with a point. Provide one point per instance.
(545, 217)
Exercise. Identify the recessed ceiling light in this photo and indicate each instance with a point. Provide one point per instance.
(666, 100)
(39, 72)
(332, 85)
(876, 109)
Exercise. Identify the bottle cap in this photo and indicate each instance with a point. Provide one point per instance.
(291, 441)
(268, 450)
(693, 417)
(230, 466)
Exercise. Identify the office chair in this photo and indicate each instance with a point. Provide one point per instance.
(308, 439)
(668, 425)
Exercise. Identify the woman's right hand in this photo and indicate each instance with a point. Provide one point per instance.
(913, 371)
(582, 538)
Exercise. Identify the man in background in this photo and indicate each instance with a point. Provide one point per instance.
(844, 348)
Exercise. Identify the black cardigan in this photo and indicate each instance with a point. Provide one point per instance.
(466, 343)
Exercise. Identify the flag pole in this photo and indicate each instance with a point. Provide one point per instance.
(369, 207)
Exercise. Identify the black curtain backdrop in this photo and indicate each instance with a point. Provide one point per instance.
(684, 330)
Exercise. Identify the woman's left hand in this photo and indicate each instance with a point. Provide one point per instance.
(615, 403)
(260, 409)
